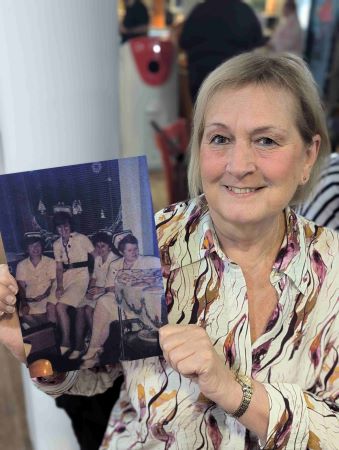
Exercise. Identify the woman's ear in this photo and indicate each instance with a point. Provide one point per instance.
(312, 152)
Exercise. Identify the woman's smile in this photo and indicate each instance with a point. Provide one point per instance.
(242, 191)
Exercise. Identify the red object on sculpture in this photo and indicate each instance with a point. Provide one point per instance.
(153, 58)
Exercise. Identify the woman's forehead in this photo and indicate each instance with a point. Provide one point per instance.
(257, 101)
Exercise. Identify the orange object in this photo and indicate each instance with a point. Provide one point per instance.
(172, 142)
(158, 17)
(40, 368)
(271, 7)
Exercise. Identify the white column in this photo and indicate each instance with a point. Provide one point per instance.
(58, 83)
(58, 106)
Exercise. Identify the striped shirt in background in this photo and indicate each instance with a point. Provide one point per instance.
(322, 207)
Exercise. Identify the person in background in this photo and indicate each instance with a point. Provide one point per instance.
(214, 31)
(35, 276)
(288, 35)
(250, 354)
(135, 22)
(89, 415)
(322, 206)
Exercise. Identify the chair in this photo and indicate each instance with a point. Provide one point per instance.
(172, 142)
(43, 341)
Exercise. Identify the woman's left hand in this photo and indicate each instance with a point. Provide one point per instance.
(189, 351)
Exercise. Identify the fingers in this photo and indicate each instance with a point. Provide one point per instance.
(7, 300)
(187, 349)
(171, 336)
(7, 279)
(8, 290)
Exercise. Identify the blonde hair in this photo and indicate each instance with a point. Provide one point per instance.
(283, 71)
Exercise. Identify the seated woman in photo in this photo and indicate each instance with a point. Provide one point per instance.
(98, 288)
(106, 309)
(35, 276)
(250, 354)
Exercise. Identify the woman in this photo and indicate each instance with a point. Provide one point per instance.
(35, 276)
(106, 309)
(288, 35)
(216, 30)
(99, 287)
(322, 206)
(71, 253)
(135, 22)
(252, 289)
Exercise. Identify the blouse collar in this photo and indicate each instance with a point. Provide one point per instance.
(196, 239)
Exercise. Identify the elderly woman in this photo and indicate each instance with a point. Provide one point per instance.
(251, 349)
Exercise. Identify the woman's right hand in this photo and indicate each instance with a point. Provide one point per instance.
(10, 333)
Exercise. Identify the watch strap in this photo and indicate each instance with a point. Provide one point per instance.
(247, 391)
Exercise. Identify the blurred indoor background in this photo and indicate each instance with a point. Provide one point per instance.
(72, 92)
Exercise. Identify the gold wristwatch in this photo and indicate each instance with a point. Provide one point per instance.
(247, 393)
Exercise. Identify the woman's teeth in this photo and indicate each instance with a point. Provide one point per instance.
(241, 190)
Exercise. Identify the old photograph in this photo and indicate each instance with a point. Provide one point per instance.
(80, 241)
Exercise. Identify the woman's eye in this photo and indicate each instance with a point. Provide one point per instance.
(266, 142)
(218, 139)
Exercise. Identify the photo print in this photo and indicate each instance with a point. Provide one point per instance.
(81, 243)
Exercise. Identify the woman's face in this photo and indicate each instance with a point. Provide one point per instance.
(35, 249)
(131, 252)
(252, 156)
(64, 230)
(102, 249)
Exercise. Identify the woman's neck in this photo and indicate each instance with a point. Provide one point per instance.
(248, 245)
(128, 264)
(35, 260)
(104, 258)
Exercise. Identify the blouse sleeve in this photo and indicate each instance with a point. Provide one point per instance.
(57, 250)
(51, 269)
(307, 419)
(20, 272)
(83, 382)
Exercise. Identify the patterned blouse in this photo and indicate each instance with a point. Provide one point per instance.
(296, 358)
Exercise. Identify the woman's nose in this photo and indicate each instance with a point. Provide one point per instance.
(240, 160)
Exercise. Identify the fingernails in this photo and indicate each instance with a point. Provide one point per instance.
(10, 299)
(2, 313)
(10, 309)
(13, 289)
